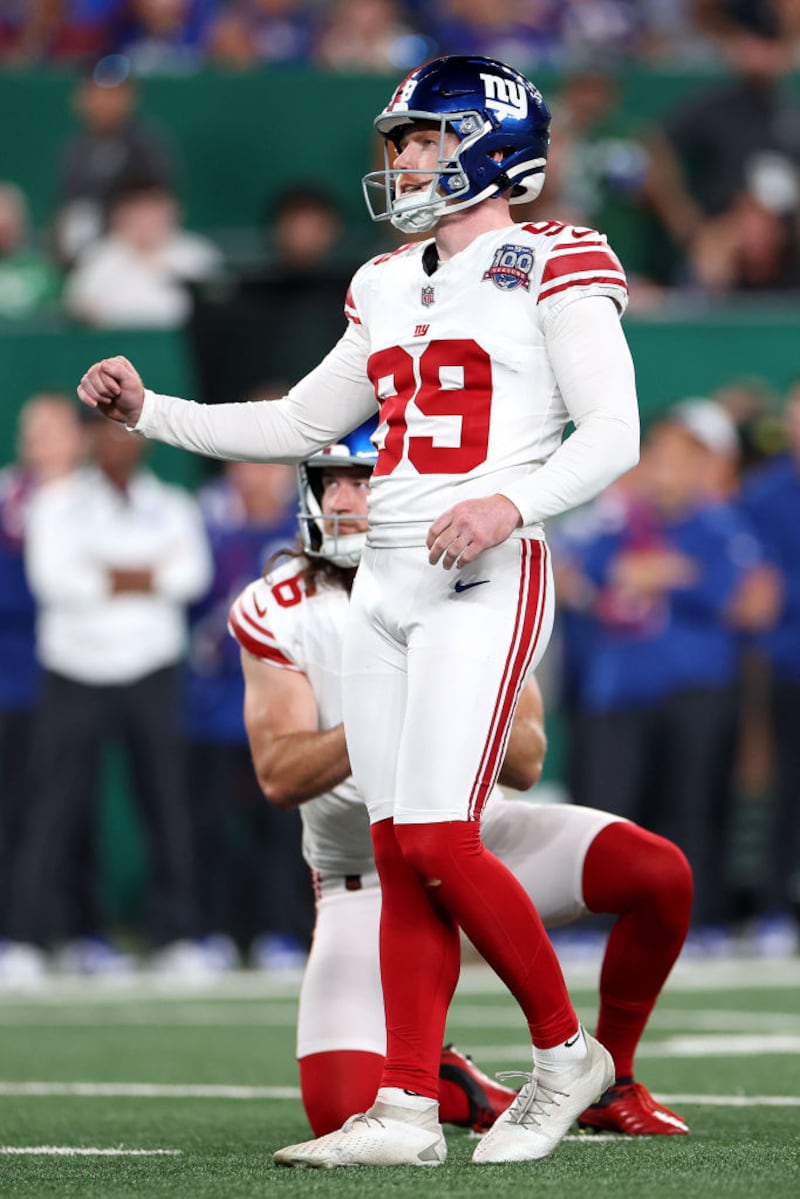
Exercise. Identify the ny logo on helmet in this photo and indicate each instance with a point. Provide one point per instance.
(505, 96)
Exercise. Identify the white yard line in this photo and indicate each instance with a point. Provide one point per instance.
(74, 1151)
(146, 1090)
(724, 1045)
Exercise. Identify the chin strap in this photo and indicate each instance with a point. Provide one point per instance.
(419, 220)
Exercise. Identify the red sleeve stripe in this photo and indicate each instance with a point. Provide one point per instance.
(260, 630)
(587, 280)
(350, 310)
(577, 247)
(265, 653)
(560, 265)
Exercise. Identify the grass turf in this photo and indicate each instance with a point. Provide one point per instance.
(244, 1037)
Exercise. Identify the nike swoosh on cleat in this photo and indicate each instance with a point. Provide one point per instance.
(462, 586)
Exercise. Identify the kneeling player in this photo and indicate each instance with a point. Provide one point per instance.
(571, 860)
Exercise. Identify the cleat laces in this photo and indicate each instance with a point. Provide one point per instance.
(533, 1100)
(361, 1118)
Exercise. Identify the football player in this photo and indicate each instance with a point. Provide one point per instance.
(571, 860)
(479, 346)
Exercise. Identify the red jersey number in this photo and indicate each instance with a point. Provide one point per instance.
(472, 402)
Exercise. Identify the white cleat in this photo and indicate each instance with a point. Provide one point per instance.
(540, 1116)
(384, 1136)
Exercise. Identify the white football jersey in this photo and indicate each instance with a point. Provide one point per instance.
(279, 622)
(469, 400)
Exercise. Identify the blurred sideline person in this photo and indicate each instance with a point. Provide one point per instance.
(113, 557)
(479, 345)
(146, 246)
(571, 860)
(50, 445)
(771, 500)
(110, 147)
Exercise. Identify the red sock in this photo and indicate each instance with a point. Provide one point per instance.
(337, 1085)
(498, 917)
(453, 1103)
(420, 961)
(647, 881)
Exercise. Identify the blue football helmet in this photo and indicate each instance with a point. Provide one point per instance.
(320, 534)
(491, 108)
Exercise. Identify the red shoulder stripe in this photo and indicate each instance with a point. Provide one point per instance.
(559, 265)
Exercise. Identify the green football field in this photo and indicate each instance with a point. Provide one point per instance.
(149, 1090)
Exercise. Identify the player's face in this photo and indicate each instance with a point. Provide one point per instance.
(420, 150)
(344, 494)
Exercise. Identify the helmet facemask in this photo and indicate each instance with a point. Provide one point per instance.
(420, 212)
(319, 531)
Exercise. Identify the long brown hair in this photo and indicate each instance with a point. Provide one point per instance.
(315, 571)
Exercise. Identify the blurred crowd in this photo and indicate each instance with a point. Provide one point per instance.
(701, 205)
(374, 35)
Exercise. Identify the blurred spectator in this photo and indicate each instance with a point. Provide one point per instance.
(249, 33)
(739, 147)
(166, 36)
(49, 446)
(256, 889)
(656, 698)
(753, 407)
(297, 293)
(609, 30)
(137, 274)
(60, 31)
(113, 557)
(771, 500)
(111, 148)
(28, 280)
(753, 247)
(370, 35)
(602, 173)
(504, 29)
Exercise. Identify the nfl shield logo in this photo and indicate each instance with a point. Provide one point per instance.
(427, 296)
(511, 267)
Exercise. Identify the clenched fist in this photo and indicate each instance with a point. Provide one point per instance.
(114, 387)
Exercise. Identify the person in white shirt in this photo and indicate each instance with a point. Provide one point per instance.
(137, 274)
(478, 346)
(113, 556)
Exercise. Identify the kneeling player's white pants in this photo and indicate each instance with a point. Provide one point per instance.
(341, 1001)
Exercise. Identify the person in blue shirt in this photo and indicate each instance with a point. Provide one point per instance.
(656, 692)
(771, 500)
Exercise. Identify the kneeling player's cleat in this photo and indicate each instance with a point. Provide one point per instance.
(486, 1098)
(541, 1115)
(630, 1109)
(384, 1136)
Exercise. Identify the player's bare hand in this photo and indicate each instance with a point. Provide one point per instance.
(114, 387)
(464, 531)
